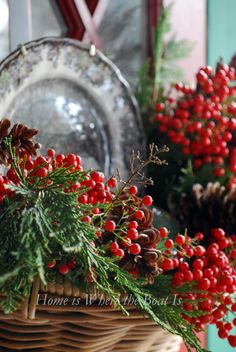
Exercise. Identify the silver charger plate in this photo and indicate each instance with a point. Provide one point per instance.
(77, 99)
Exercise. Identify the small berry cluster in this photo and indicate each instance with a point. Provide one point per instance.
(211, 271)
(202, 121)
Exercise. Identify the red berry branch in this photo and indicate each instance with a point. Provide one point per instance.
(212, 272)
(202, 121)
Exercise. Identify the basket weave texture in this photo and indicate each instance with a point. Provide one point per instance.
(85, 328)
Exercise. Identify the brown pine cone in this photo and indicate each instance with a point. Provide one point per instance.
(21, 139)
(208, 207)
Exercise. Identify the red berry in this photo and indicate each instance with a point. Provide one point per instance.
(60, 158)
(232, 340)
(197, 274)
(132, 234)
(119, 253)
(219, 172)
(29, 165)
(199, 236)
(133, 224)
(180, 239)
(147, 201)
(163, 232)
(169, 243)
(139, 214)
(188, 276)
(183, 266)
(41, 160)
(51, 264)
(233, 307)
(175, 262)
(167, 264)
(160, 106)
(228, 326)
(198, 264)
(72, 264)
(97, 176)
(42, 172)
(83, 199)
(135, 249)
(112, 182)
(86, 218)
(114, 247)
(70, 159)
(223, 333)
(63, 269)
(133, 190)
(126, 242)
(203, 284)
(110, 225)
(189, 252)
(51, 153)
(98, 234)
(199, 251)
(218, 233)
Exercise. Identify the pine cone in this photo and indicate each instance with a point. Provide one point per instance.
(21, 139)
(146, 264)
(208, 207)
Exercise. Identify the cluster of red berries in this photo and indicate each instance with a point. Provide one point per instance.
(41, 171)
(93, 193)
(203, 120)
(211, 271)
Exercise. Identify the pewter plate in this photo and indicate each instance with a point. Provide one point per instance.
(79, 101)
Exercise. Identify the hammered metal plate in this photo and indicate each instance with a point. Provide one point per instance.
(79, 102)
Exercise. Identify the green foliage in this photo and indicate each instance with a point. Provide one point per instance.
(164, 71)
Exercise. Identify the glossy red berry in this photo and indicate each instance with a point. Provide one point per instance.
(203, 284)
(163, 232)
(72, 264)
(135, 249)
(218, 233)
(51, 153)
(114, 247)
(199, 251)
(223, 333)
(147, 201)
(110, 225)
(197, 274)
(132, 234)
(169, 243)
(133, 190)
(180, 239)
(42, 172)
(51, 264)
(198, 264)
(112, 182)
(87, 219)
(119, 253)
(133, 224)
(97, 176)
(139, 214)
(167, 264)
(83, 199)
(183, 266)
(63, 269)
(232, 340)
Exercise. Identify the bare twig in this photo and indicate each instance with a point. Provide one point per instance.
(137, 166)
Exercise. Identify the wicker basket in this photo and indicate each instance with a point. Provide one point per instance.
(85, 328)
